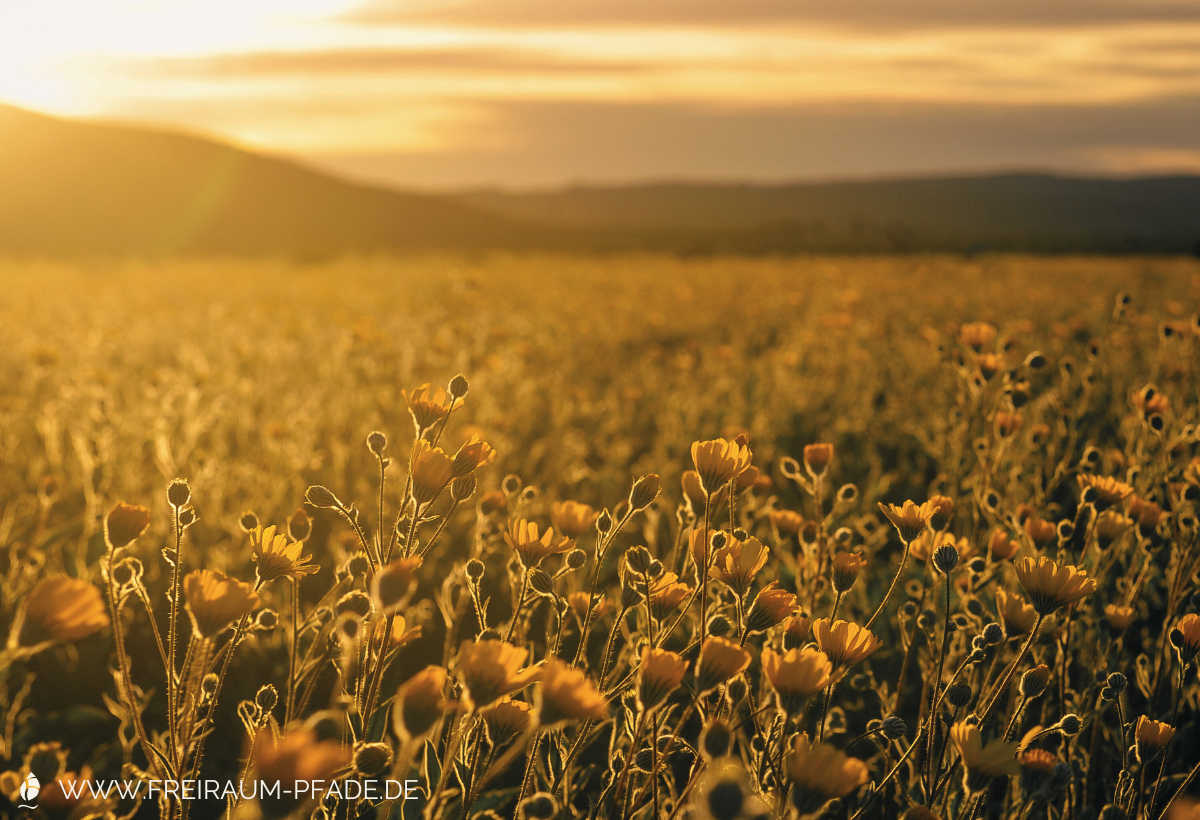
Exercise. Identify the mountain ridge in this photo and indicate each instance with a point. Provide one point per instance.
(86, 187)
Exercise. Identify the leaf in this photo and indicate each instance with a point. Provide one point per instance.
(432, 764)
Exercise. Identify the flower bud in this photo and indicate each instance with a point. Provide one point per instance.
(945, 558)
(266, 620)
(462, 488)
(320, 496)
(541, 583)
(894, 727)
(716, 739)
(299, 525)
(1034, 681)
(958, 695)
(266, 697)
(604, 522)
(1070, 724)
(541, 806)
(475, 569)
(644, 491)
(458, 386)
(638, 559)
(376, 442)
(178, 492)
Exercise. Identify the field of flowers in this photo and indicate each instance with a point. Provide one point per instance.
(623, 536)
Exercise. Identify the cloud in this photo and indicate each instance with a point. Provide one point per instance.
(885, 14)
(557, 143)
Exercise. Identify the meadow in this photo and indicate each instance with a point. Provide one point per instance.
(604, 536)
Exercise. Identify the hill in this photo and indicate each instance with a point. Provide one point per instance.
(73, 187)
(82, 187)
(1016, 211)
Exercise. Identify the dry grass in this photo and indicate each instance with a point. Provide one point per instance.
(372, 632)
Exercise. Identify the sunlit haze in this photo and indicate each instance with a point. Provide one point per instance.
(532, 92)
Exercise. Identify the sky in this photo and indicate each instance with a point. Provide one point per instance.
(536, 93)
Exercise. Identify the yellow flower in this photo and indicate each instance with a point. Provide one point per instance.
(277, 557)
(1184, 808)
(1150, 736)
(1104, 491)
(1119, 617)
(1017, 616)
(770, 607)
(667, 592)
(659, 675)
(941, 511)
(472, 455)
(1147, 514)
(1001, 546)
(1186, 635)
(798, 628)
(817, 458)
(428, 406)
(1040, 531)
(1037, 760)
(694, 492)
(718, 461)
(506, 719)
(796, 675)
(846, 568)
(566, 694)
(532, 547)
(720, 660)
(214, 600)
(1050, 586)
(296, 756)
(738, 562)
(845, 643)
(572, 518)
(822, 769)
(925, 545)
(124, 523)
(432, 470)
(788, 522)
(402, 633)
(579, 601)
(60, 609)
(977, 335)
(910, 519)
(492, 669)
(1111, 525)
(1006, 423)
(420, 703)
(995, 759)
(392, 584)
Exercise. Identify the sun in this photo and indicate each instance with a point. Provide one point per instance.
(53, 53)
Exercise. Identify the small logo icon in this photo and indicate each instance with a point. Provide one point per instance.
(29, 792)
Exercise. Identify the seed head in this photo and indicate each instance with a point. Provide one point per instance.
(371, 759)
